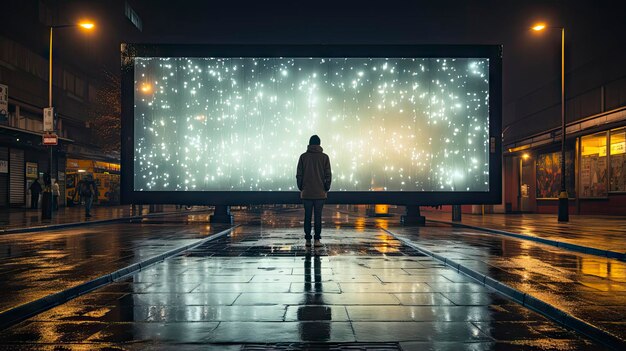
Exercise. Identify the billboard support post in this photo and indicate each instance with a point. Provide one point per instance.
(413, 216)
(221, 214)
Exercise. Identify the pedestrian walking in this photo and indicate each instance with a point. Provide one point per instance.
(56, 192)
(35, 190)
(88, 190)
(313, 178)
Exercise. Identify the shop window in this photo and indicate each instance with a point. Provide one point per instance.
(593, 180)
(617, 151)
(549, 175)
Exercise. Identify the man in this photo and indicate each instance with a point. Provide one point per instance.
(35, 190)
(56, 192)
(314, 178)
(88, 190)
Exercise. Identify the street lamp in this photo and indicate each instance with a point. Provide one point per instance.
(85, 25)
(563, 196)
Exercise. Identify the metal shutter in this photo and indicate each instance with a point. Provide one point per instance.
(16, 180)
(4, 179)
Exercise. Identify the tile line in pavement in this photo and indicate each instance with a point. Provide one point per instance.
(17, 314)
(525, 299)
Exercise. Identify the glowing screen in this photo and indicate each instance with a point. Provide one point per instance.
(240, 124)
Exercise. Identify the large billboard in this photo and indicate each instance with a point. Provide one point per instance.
(226, 124)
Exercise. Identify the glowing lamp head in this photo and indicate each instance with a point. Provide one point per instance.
(538, 27)
(86, 25)
(525, 156)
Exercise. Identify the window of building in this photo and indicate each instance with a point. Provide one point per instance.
(80, 87)
(68, 81)
(593, 180)
(617, 151)
(548, 175)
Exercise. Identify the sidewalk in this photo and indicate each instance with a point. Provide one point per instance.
(259, 289)
(589, 288)
(14, 219)
(36, 266)
(598, 232)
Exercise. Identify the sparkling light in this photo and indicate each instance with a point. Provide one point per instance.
(402, 124)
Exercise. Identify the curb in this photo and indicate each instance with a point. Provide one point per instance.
(86, 223)
(605, 338)
(563, 245)
(22, 312)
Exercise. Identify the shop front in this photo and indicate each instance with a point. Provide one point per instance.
(595, 174)
(105, 174)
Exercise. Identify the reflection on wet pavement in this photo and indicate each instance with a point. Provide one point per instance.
(600, 232)
(588, 287)
(259, 287)
(25, 218)
(34, 265)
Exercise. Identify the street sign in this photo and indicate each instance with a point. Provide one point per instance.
(48, 119)
(50, 139)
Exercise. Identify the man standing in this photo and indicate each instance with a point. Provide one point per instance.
(314, 178)
(88, 191)
(35, 190)
(56, 192)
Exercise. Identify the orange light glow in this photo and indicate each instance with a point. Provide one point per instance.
(539, 26)
(87, 25)
(146, 88)
(525, 156)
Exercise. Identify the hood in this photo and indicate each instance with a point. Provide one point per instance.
(314, 148)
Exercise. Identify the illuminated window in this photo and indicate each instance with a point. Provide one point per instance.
(593, 166)
(617, 150)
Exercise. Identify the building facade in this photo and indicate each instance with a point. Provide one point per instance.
(24, 69)
(595, 157)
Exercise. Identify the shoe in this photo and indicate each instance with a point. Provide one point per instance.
(318, 243)
(308, 243)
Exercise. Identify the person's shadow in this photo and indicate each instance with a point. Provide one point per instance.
(314, 316)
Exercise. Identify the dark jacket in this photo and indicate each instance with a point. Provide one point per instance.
(35, 187)
(313, 175)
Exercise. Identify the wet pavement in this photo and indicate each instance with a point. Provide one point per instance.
(588, 287)
(259, 288)
(19, 218)
(600, 232)
(34, 265)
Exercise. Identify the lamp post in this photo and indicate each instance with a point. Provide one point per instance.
(563, 196)
(85, 25)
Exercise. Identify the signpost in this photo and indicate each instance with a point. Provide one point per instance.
(50, 139)
(48, 119)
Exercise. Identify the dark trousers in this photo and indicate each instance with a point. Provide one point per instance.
(34, 200)
(315, 206)
(88, 203)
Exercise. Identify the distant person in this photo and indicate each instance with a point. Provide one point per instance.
(88, 191)
(35, 190)
(313, 177)
(56, 192)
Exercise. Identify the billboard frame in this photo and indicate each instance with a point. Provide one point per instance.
(491, 52)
